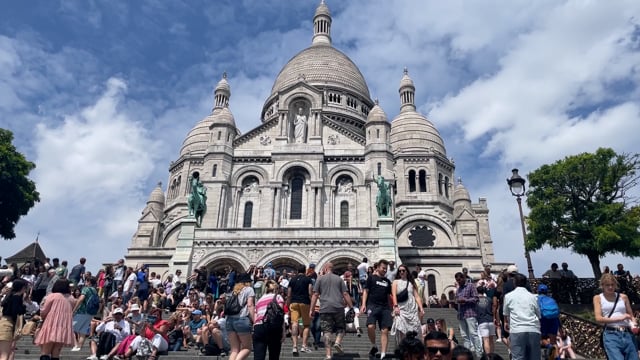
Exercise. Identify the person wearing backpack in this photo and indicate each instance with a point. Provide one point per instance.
(83, 312)
(550, 314)
(238, 324)
(268, 328)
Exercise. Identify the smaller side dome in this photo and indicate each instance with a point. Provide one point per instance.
(461, 193)
(376, 114)
(157, 195)
(222, 93)
(224, 116)
(198, 138)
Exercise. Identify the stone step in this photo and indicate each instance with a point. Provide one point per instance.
(355, 347)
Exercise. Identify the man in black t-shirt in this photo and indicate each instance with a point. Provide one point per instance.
(298, 300)
(375, 299)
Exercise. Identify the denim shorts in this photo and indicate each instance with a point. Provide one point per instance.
(238, 324)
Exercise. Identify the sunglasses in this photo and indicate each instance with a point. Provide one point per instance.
(434, 350)
(402, 270)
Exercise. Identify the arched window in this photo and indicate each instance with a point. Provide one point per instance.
(412, 181)
(295, 212)
(344, 214)
(379, 169)
(422, 181)
(248, 213)
(446, 187)
(440, 184)
(431, 285)
(215, 170)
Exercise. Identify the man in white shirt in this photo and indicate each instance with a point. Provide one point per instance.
(115, 325)
(522, 320)
(129, 286)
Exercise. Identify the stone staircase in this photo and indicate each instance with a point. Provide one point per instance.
(354, 347)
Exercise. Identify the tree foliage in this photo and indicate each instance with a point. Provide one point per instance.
(17, 192)
(582, 202)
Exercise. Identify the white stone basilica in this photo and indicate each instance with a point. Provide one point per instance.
(300, 187)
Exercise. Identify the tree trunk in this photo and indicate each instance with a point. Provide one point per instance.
(594, 259)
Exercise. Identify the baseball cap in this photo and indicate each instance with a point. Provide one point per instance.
(135, 307)
(312, 266)
(430, 321)
(512, 269)
(542, 289)
(196, 312)
(118, 311)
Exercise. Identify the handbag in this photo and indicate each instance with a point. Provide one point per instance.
(403, 295)
(610, 313)
(17, 327)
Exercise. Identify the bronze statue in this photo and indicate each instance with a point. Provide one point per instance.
(197, 199)
(383, 199)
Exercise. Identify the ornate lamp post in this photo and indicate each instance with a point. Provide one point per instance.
(516, 185)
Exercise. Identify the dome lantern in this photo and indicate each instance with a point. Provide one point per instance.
(322, 25)
(222, 93)
(407, 93)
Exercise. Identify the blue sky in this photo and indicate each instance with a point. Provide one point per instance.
(101, 94)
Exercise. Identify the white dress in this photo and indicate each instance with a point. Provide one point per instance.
(408, 319)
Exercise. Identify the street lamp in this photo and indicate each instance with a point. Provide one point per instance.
(516, 186)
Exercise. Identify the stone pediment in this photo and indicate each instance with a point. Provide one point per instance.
(260, 138)
(465, 214)
(351, 132)
(148, 216)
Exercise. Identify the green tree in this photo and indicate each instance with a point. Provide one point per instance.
(582, 202)
(17, 192)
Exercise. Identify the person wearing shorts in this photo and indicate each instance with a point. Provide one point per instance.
(299, 300)
(375, 303)
(332, 292)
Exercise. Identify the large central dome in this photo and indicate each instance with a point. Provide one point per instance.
(322, 65)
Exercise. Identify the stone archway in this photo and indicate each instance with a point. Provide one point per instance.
(341, 264)
(222, 266)
(287, 264)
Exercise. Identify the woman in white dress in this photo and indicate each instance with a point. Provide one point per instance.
(407, 305)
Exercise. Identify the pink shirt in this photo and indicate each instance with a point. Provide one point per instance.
(263, 302)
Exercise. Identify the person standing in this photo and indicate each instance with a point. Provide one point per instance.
(129, 286)
(362, 271)
(522, 321)
(77, 272)
(299, 302)
(81, 317)
(375, 298)
(332, 293)
(12, 307)
(239, 325)
(391, 271)
(486, 326)
(407, 305)
(467, 298)
(613, 310)
(268, 335)
(57, 328)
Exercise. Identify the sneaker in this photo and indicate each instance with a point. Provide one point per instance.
(305, 349)
(383, 355)
(104, 357)
(117, 358)
(92, 357)
(338, 348)
(295, 352)
(75, 348)
(373, 351)
(499, 340)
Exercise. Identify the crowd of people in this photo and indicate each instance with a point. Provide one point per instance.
(124, 312)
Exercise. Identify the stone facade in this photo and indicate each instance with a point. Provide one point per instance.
(300, 187)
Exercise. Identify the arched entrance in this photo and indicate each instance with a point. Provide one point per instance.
(222, 266)
(283, 264)
(342, 264)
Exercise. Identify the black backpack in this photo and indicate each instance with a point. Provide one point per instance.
(106, 342)
(211, 349)
(274, 317)
(232, 305)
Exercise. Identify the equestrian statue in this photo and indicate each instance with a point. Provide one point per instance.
(197, 199)
(383, 199)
